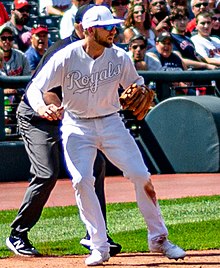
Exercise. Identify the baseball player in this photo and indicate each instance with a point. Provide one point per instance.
(42, 142)
(90, 72)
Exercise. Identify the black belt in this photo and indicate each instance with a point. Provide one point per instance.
(97, 117)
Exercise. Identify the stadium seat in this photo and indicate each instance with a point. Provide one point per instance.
(34, 8)
(7, 5)
(32, 20)
(52, 22)
(54, 35)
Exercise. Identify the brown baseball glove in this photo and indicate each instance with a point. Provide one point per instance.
(137, 99)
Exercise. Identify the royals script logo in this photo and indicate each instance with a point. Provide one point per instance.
(80, 83)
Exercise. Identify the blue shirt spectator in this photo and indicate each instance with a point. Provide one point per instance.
(39, 44)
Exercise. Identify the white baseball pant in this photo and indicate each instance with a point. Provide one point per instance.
(81, 138)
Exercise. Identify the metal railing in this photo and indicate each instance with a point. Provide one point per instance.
(9, 82)
(163, 79)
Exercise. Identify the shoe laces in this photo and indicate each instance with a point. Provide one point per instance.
(25, 239)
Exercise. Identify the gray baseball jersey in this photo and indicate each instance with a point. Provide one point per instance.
(90, 86)
(17, 65)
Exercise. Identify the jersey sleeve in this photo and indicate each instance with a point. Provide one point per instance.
(129, 74)
(48, 77)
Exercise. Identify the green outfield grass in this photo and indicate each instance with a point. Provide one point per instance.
(193, 223)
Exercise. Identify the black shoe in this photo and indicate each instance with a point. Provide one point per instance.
(20, 245)
(114, 247)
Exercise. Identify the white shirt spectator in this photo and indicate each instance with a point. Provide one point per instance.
(67, 22)
(207, 47)
(61, 4)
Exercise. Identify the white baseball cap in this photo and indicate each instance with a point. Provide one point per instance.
(99, 16)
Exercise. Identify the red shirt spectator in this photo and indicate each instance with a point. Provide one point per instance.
(3, 14)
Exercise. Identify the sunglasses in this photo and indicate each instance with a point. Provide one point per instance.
(22, 10)
(140, 46)
(162, 3)
(139, 11)
(201, 4)
(116, 4)
(180, 18)
(216, 19)
(9, 38)
(106, 27)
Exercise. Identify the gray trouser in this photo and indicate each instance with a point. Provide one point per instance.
(42, 143)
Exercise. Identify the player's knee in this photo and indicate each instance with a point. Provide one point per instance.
(142, 177)
(83, 184)
(47, 175)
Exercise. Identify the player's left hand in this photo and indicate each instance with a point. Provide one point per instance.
(138, 99)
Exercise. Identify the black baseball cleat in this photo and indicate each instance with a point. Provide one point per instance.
(115, 248)
(20, 245)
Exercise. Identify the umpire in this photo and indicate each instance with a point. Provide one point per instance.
(42, 142)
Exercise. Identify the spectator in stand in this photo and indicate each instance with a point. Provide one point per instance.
(197, 6)
(68, 19)
(162, 58)
(138, 22)
(2, 73)
(3, 14)
(216, 23)
(20, 14)
(137, 50)
(39, 45)
(159, 16)
(15, 62)
(206, 45)
(107, 3)
(53, 7)
(182, 44)
(217, 4)
(175, 3)
(212, 4)
(140, 2)
(119, 8)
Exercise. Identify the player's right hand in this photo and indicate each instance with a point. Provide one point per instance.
(51, 112)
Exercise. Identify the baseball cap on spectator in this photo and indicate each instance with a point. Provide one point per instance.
(138, 37)
(18, 4)
(115, 2)
(81, 11)
(5, 28)
(163, 36)
(99, 16)
(39, 29)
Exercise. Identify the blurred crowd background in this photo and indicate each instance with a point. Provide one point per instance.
(158, 35)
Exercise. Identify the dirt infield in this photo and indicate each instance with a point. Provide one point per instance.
(182, 185)
(194, 259)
